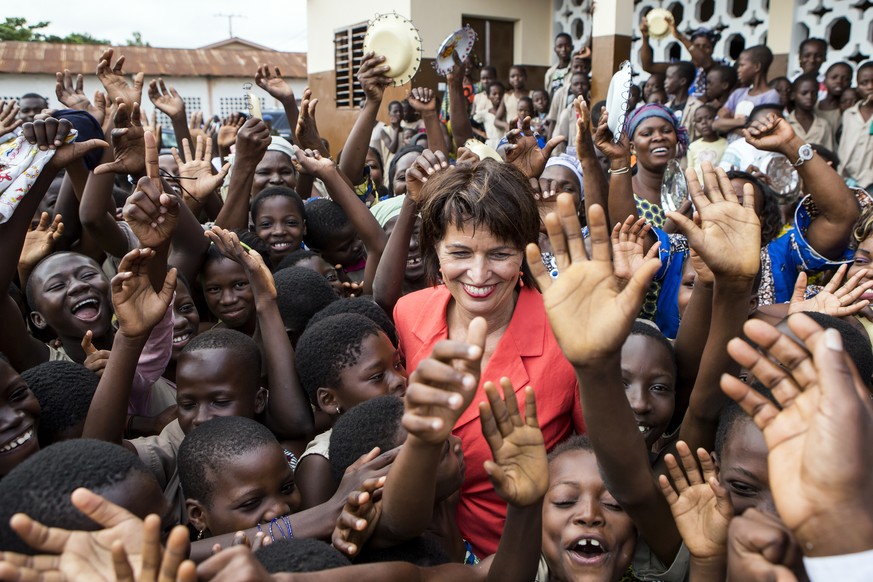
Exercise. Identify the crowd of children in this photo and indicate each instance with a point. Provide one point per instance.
(428, 360)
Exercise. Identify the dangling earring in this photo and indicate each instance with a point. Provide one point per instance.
(200, 535)
(338, 411)
(521, 278)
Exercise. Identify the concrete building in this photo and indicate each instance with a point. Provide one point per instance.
(522, 31)
(209, 79)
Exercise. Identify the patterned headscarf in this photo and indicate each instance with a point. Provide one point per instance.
(650, 110)
(709, 33)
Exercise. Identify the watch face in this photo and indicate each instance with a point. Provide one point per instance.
(805, 152)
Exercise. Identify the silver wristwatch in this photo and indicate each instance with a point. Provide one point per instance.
(804, 154)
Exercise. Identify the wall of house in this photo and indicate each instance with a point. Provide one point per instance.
(207, 94)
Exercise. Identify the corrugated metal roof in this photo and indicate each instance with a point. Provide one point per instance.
(43, 57)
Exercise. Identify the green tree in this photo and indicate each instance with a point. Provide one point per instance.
(137, 40)
(18, 29)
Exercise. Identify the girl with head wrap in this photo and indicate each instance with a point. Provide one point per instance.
(656, 138)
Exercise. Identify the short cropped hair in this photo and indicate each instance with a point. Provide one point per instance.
(300, 294)
(362, 306)
(213, 445)
(64, 391)
(762, 55)
(804, 78)
(243, 347)
(686, 70)
(323, 218)
(648, 330)
(813, 40)
(374, 423)
(328, 347)
(295, 257)
(579, 442)
(487, 195)
(42, 484)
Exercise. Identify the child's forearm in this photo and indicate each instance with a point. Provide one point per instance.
(594, 182)
(234, 213)
(518, 553)
(388, 283)
(714, 570)
(372, 235)
(95, 217)
(107, 414)
(622, 455)
(288, 413)
(462, 129)
(433, 127)
(730, 307)
(690, 343)
(727, 124)
(355, 151)
(189, 246)
(409, 493)
(182, 131)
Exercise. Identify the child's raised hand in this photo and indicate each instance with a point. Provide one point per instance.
(155, 565)
(230, 126)
(443, 386)
(772, 134)
(603, 139)
(95, 360)
(520, 470)
(358, 519)
(74, 96)
(729, 236)
(252, 141)
(306, 131)
(834, 299)
(9, 121)
(127, 142)
(258, 273)
(115, 83)
(74, 555)
(819, 439)
(311, 162)
(760, 547)
(700, 505)
(372, 77)
(196, 171)
(137, 306)
(590, 314)
(425, 166)
(40, 241)
(422, 99)
(523, 150)
(628, 250)
(273, 83)
(151, 213)
(166, 100)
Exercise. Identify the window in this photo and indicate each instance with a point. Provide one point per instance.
(229, 105)
(348, 53)
(192, 104)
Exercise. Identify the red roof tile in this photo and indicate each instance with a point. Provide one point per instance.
(48, 58)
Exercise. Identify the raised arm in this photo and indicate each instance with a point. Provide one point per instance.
(594, 182)
(371, 76)
(169, 102)
(252, 142)
(424, 100)
(831, 229)
(372, 235)
(23, 350)
(288, 412)
(621, 188)
(138, 309)
(591, 318)
(462, 129)
(729, 241)
(440, 389)
(273, 83)
(647, 59)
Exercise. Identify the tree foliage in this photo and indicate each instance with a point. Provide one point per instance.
(18, 29)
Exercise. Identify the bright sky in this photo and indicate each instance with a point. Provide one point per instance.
(277, 24)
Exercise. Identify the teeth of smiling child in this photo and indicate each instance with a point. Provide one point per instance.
(181, 338)
(18, 442)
